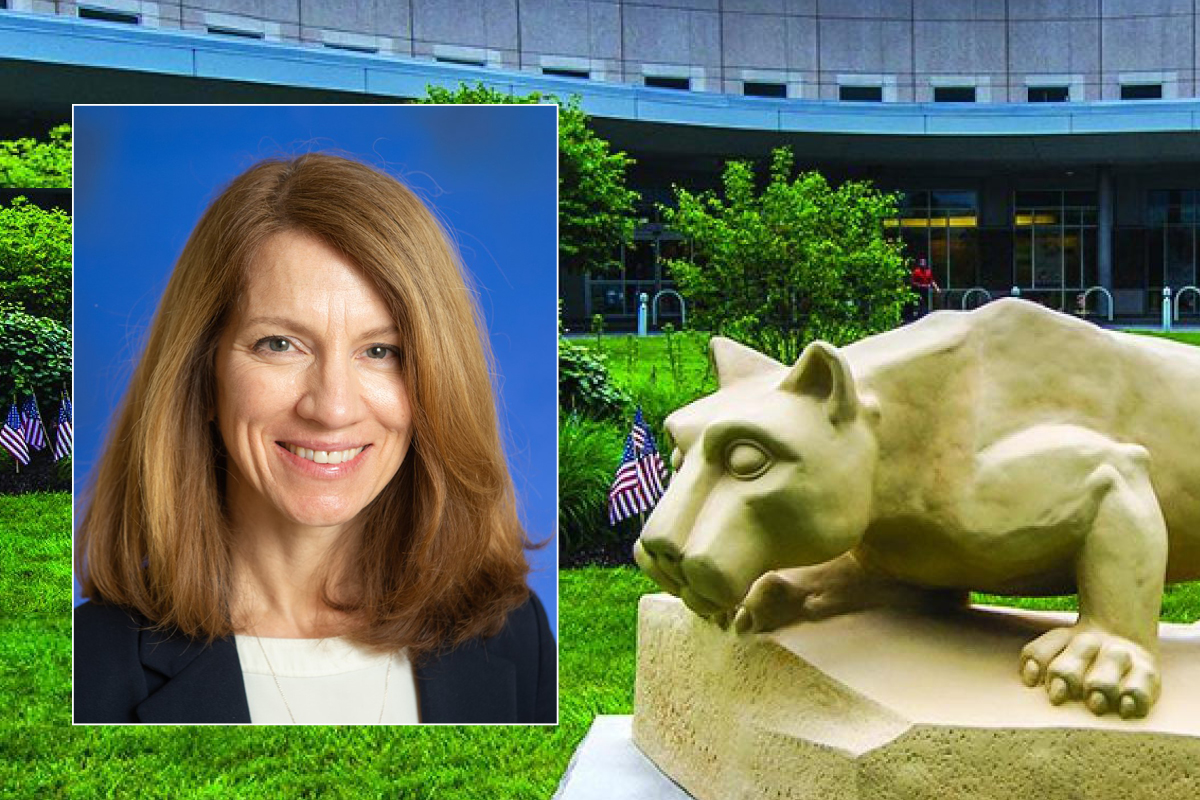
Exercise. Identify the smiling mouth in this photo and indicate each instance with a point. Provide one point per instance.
(324, 456)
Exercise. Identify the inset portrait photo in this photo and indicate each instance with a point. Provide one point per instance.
(315, 398)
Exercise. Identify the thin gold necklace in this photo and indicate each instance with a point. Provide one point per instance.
(386, 676)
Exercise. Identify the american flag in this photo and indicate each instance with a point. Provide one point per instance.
(641, 478)
(64, 438)
(31, 424)
(11, 437)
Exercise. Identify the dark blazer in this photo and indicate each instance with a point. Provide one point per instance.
(126, 672)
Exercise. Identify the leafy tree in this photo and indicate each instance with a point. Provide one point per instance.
(799, 261)
(30, 164)
(35, 357)
(595, 207)
(35, 260)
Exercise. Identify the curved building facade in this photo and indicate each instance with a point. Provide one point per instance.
(1049, 145)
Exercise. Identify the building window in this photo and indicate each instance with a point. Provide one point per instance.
(764, 89)
(1054, 245)
(1049, 94)
(1141, 91)
(221, 30)
(353, 48)
(954, 94)
(1173, 218)
(861, 94)
(942, 228)
(106, 15)
(663, 82)
(466, 62)
(563, 72)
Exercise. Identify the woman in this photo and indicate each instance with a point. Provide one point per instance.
(303, 513)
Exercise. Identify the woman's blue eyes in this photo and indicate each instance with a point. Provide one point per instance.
(280, 344)
(275, 344)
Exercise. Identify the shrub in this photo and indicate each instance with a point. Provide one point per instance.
(30, 164)
(35, 260)
(584, 385)
(35, 355)
(797, 261)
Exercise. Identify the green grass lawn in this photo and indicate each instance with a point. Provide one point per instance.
(41, 757)
(1187, 337)
(35, 552)
(634, 360)
(660, 373)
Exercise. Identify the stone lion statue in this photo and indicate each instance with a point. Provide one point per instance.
(1011, 450)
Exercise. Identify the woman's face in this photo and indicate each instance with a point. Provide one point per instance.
(311, 401)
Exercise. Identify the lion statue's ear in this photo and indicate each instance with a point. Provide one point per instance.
(823, 374)
(736, 362)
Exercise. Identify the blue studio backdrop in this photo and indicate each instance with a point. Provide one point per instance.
(145, 174)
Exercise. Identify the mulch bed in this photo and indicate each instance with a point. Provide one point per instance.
(614, 552)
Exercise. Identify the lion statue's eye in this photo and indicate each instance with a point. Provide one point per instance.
(746, 460)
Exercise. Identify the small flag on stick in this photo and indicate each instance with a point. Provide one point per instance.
(11, 437)
(64, 439)
(641, 479)
(31, 424)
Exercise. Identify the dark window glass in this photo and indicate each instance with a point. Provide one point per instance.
(861, 94)
(1179, 256)
(760, 89)
(1142, 91)
(353, 48)
(640, 261)
(466, 62)
(1157, 203)
(1079, 198)
(1129, 258)
(660, 82)
(1028, 199)
(996, 259)
(105, 15)
(915, 200)
(953, 200)
(220, 31)
(1048, 94)
(563, 72)
(963, 250)
(954, 94)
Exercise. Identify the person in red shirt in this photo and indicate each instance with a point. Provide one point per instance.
(924, 285)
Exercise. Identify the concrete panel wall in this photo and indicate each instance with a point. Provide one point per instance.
(865, 9)
(476, 25)
(850, 47)
(908, 46)
(1154, 44)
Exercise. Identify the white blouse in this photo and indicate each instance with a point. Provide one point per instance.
(325, 682)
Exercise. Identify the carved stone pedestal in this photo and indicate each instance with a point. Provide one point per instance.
(898, 705)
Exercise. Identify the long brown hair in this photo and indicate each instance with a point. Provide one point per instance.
(440, 556)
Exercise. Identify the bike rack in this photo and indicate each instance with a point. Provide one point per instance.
(972, 291)
(682, 308)
(1106, 293)
(1179, 295)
